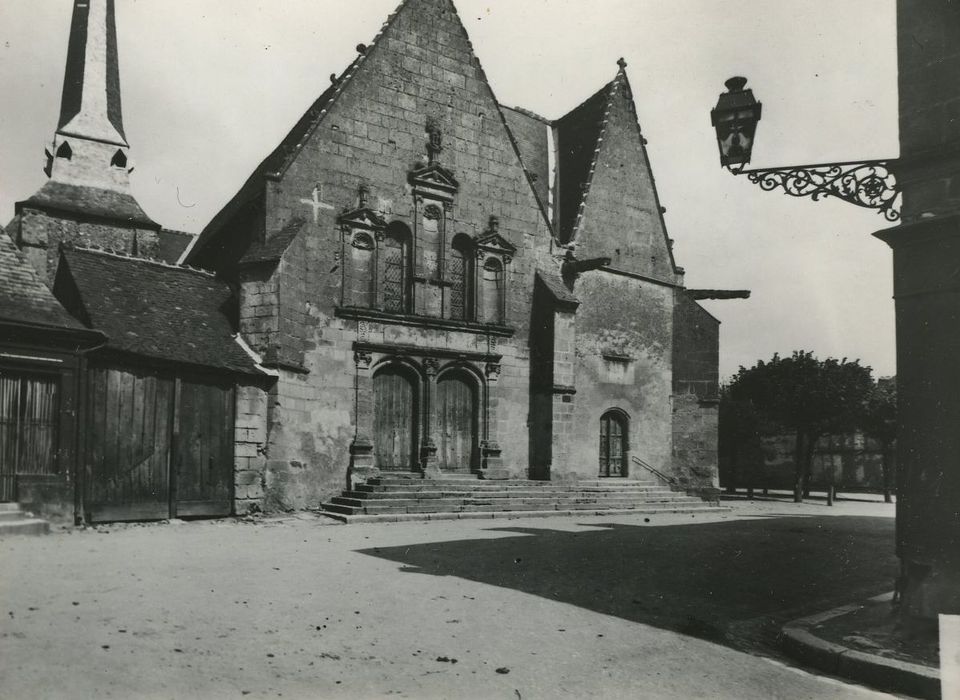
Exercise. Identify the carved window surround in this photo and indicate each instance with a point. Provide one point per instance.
(444, 324)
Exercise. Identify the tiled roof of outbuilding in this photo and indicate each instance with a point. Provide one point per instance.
(92, 201)
(24, 298)
(154, 309)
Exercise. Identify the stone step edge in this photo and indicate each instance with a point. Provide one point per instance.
(26, 526)
(509, 515)
(523, 507)
(479, 500)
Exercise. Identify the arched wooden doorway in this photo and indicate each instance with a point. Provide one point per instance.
(457, 422)
(395, 407)
(613, 444)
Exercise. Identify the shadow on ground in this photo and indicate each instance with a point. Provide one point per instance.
(731, 582)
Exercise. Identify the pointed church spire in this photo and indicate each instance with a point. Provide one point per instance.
(90, 107)
(90, 147)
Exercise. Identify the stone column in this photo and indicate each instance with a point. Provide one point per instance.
(926, 263)
(362, 466)
(429, 464)
(491, 463)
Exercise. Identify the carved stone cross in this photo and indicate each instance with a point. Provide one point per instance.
(317, 203)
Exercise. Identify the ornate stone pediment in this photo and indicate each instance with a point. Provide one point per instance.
(496, 244)
(363, 218)
(434, 182)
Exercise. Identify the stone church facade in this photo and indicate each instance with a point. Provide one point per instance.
(444, 284)
(422, 282)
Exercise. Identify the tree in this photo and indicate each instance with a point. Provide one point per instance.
(879, 421)
(808, 397)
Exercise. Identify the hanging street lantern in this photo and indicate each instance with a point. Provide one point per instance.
(870, 184)
(735, 118)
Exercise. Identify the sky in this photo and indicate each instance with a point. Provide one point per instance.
(211, 86)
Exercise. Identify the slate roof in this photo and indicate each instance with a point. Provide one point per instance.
(172, 245)
(272, 249)
(577, 136)
(551, 280)
(24, 298)
(91, 201)
(153, 309)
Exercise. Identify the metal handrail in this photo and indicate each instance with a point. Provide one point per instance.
(669, 479)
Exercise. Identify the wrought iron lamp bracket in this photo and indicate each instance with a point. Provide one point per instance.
(869, 184)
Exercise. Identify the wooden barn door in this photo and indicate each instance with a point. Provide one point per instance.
(129, 445)
(394, 420)
(456, 423)
(613, 445)
(203, 454)
(157, 447)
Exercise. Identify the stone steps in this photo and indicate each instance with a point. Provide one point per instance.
(14, 521)
(398, 498)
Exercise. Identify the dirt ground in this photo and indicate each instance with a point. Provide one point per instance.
(679, 607)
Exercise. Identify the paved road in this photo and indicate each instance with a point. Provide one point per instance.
(538, 608)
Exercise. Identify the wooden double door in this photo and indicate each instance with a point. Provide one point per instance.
(396, 425)
(157, 447)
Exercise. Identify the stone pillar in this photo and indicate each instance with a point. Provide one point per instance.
(491, 463)
(563, 393)
(362, 466)
(429, 464)
(926, 261)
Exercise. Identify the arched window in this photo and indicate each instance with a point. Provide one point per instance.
(396, 269)
(491, 292)
(460, 277)
(65, 151)
(119, 159)
(613, 444)
(360, 290)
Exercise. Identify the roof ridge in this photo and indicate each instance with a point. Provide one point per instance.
(107, 252)
(530, 113)
(611, 88)
(338, 86)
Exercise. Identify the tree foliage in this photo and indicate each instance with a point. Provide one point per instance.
(806, 396)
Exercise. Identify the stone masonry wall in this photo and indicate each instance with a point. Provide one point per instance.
(624, 345)
(928, 38)
(696, 351)
(39, 235)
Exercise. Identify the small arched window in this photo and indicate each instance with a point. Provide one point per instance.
(460, 277)
(65, 151)
(491, 292)
(119, 159)
(360, 289)
(396, 269)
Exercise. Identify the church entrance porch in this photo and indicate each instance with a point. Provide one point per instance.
(431, 412)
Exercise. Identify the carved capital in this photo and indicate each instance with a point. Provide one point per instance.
(431, 365)
(493, 371)
(362, 359)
